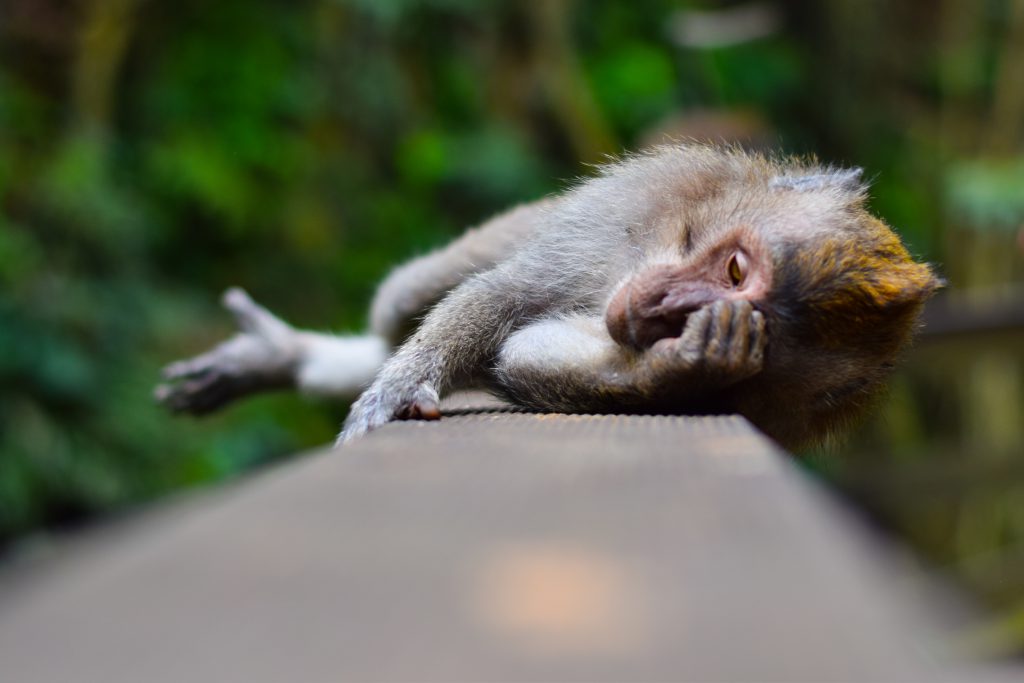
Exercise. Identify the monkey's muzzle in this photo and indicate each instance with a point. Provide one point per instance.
(655, 304)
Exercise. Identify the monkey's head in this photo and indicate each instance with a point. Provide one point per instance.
(840, 293)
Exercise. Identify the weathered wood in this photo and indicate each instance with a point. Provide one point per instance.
(484, 547)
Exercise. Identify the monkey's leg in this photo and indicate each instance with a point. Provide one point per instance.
(572, 364)
(411, 289)
(269, 354)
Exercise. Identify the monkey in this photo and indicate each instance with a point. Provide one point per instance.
(687, 279)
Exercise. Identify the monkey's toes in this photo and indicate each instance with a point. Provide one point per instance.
(190, 367)
(255, 319)
(197, 395)
(421, 410)
(236, 299)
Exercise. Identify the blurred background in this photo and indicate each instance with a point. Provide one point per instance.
(153, 153)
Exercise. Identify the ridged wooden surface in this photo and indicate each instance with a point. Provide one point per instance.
(488, 546)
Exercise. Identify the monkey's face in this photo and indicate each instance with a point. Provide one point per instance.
(655, 302)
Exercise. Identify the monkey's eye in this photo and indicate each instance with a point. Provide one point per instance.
(737, 264)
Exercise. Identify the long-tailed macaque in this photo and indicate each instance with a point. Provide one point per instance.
(690, 279)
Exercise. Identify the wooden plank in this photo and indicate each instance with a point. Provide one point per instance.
(484, 547)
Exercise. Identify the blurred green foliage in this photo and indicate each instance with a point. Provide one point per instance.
(154, 153)
(988, 193)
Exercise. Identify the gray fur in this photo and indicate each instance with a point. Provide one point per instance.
(517, 305)
(848, 179)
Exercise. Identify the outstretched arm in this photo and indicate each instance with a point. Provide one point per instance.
(572, 365)
(269, 354)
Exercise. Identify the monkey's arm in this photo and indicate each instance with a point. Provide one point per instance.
(573, 365)
(454, 347)
(269, 354)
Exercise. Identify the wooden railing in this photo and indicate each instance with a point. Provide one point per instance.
(491, 545)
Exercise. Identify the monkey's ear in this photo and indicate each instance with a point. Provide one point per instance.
(904, 283)
(848, 179)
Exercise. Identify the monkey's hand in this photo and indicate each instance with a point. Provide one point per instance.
(400, 392)
(451, 349)
(264, 355)
(721, 344)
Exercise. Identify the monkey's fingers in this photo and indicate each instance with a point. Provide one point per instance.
(381, 404)
(736, 333)
(725, 340)
(742, 350)
(722, 334)
(758, 339)
(691, 345)
(255, 319)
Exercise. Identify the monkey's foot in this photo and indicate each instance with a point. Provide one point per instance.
(724, 341)
(264, 355)
(383, 403)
